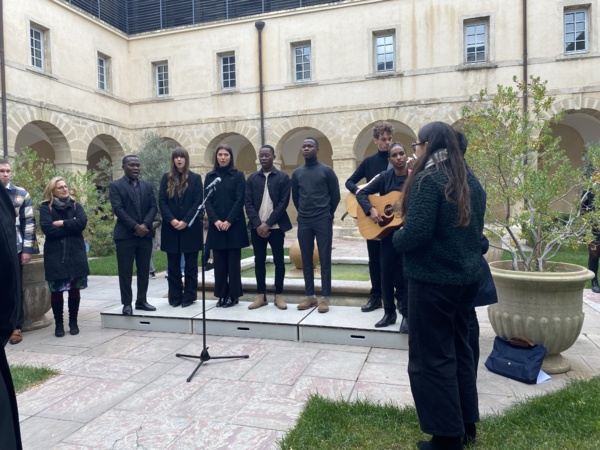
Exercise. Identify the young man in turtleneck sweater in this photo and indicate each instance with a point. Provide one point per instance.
(316, 195)
(368, 169)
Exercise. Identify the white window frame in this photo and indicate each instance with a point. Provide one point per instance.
(37, 52)
(382, 49)
(570, 35)
(161, 76)
(475, 39)
(102, 69)
(300, 66)
(228, 71)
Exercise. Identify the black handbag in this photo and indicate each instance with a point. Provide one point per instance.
(517, 358)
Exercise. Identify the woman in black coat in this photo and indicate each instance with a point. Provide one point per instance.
(65, 260)
(227, 233)
(179, 197)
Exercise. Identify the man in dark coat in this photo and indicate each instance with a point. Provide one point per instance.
(267, 198)
(178, 238)
(133, 203)
(10, 434)
(368, 169)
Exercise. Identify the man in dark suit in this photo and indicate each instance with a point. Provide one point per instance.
(11, 292)
(133, 203)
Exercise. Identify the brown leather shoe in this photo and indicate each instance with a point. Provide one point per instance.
(16, 337)
(279, 301)
(307, 303)
(261, 300)
(323, 305)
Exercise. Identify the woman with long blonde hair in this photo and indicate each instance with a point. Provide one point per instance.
(65, 259)
(179, 197)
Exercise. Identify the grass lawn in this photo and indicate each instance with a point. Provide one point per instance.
(25, 377)
(566, 419)
(107, 265)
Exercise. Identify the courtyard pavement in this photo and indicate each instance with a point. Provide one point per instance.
(127, 390)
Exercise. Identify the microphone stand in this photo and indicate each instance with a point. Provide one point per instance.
(204, 355)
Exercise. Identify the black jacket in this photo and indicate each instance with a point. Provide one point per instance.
(64, 249)
(279, 190)
(122, 200)
(227, 204)
(367, 169)
(189, 239)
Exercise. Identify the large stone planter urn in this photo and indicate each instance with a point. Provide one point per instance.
(296, 260)
(546, 307)
(36, 295)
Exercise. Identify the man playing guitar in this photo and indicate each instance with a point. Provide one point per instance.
(391, 262)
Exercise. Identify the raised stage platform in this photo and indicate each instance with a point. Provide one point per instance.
(344, 325)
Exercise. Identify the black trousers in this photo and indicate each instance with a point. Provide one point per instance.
(322, 230)
(440, 360)
(177, 292)
(474, 337)
(21, 302)
(228, 277)
(374, 251)
(128, 251)
(259, 244)
(392, 278)
(9, 414)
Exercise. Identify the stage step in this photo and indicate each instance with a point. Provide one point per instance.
(343, 325)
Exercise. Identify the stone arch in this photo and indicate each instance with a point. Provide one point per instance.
(244, 153)
(326, 126)
(104, 145)
(290, 144)
(46, 139)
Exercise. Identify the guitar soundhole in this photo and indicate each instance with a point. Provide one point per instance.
(388, 216)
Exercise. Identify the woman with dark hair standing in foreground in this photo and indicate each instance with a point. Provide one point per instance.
(65, 259)
(179, 197)
(443, 210)
(227, 233)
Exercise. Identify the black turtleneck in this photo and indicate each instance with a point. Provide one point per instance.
(371, 166)
(315, 191)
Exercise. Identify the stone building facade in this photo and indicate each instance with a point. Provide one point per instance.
(78, 89)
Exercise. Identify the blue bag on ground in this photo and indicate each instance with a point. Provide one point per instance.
(517, 358)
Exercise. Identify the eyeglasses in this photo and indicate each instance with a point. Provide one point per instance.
(416, 144)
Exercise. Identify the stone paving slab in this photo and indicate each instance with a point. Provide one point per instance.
(127, 389)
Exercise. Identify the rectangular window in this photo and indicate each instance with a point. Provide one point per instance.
(302, 66)
(384, 53)
(101, 73)
(162, 79)
(476, 42)
(228, 80)
(36, 45)
(576, 31)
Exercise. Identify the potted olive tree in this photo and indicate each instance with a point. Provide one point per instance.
(534, 198)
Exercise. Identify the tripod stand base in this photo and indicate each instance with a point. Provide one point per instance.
(205, 356)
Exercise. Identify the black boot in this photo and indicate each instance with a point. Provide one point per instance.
(57, 310)
(442, 443)
(404, 325)
(389, 318)
(595, 287)
(373, 304)
(73, 310)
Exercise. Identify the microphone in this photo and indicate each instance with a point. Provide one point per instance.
(213, 184)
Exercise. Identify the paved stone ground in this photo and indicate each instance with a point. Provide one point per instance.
(127, 390)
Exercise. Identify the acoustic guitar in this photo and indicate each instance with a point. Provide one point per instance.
(385, 205)
(351, 202)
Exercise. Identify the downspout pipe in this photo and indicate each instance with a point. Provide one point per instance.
(3, 84)
(259, 26)
(525, 75)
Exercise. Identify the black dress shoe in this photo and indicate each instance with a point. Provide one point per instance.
(186, 304)
(595, 287)
(404, 326)
(127, 311)
(229, 302)
(145, 306)
(388, 319)
(175, 305)
(220, 302)
(373, 304)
